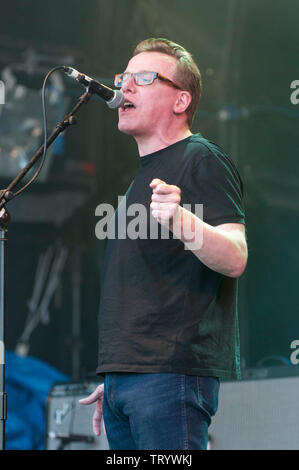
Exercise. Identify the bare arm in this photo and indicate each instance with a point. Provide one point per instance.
(222, 248)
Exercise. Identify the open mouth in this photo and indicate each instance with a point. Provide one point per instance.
(127, 105)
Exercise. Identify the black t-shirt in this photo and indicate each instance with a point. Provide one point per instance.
(161, 309)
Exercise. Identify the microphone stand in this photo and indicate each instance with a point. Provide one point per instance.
(5, 196)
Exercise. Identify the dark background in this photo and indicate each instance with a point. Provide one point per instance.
(247, 51)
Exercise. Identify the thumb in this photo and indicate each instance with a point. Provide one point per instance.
(154, 183)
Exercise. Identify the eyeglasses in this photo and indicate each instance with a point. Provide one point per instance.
(142, 78)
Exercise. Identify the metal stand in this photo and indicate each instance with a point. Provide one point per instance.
(5, 196)
(4, 221)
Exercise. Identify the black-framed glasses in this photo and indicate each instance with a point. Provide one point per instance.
(142, 78)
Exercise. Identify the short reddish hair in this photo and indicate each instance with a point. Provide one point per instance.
(187, 74)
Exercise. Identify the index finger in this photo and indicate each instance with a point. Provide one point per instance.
(94, 396)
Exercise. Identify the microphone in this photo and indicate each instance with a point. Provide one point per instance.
(113, 98)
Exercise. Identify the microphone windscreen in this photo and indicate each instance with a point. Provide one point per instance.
(117, 100)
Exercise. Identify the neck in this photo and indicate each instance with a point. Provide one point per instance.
(151, 144)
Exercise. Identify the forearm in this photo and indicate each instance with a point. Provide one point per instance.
(224, 252)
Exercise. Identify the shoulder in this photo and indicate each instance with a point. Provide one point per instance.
(209, 155)
(201, 148)
(209, 162)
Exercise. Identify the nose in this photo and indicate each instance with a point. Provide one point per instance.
(129, 84)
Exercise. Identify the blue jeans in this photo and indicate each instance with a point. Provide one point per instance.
(158, 411)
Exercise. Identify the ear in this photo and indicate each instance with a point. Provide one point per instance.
(182, 102)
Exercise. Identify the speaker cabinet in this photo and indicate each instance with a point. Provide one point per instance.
(260, 414)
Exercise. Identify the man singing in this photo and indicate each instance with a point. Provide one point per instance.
(168, 311)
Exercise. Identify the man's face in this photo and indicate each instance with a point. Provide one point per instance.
(153, 104)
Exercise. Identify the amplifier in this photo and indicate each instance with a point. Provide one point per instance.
(69, 424)
(257, 414)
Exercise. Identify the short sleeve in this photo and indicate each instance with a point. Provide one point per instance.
(214, 181)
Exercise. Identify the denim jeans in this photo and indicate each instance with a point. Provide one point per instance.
(158, 411)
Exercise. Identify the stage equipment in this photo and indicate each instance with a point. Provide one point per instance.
(258, 413)
(47, 277)
(21, 125)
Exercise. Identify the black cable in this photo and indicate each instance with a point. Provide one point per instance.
(45, 125)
